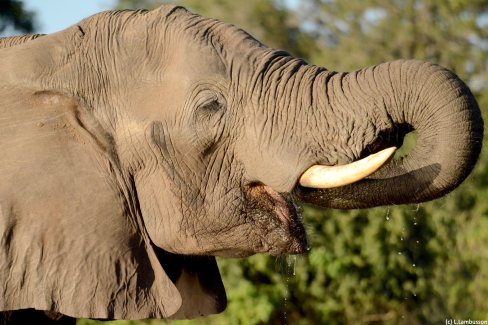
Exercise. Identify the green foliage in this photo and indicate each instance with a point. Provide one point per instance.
(399, 265)
(446, 32)
(13, 15)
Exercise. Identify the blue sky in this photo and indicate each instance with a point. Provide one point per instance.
(55, 15)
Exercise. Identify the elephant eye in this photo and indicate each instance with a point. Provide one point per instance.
(210, 107)
(209, 121)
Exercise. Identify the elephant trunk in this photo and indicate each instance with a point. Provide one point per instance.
(396, 98)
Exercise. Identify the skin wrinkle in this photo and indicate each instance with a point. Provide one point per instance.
(354, 115)
(290, 119)
(222, 169)
(365, 130)
(332, 127)
(421, 93)
(163, 146)
(409, 97)
(349, 128)
(318, 89)
(376, 115)
(16, 40)
(340, 100)
(259, 83)
(296, 76)
(310, 107)
(401, 101)
(185, 208)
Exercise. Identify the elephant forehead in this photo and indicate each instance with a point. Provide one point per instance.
(192, 57)
(173, 98)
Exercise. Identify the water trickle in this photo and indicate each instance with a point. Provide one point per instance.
(285, 305)
(387, 213)
(288, 270)
(291, 262)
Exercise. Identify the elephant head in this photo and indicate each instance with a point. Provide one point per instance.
(137, 145)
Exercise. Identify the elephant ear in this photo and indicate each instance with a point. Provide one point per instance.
(72, 239)
(194, 276)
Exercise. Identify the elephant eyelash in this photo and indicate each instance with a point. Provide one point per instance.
(211, 106)
(210, 112)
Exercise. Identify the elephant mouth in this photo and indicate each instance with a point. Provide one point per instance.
(277, 216)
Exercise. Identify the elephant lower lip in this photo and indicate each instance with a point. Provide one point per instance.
(277, 214)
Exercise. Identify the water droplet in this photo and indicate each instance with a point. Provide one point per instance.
(414, 223)
(414, 294)
(401, 238)
(291, 262)
(285, 298)
(417, 241)
(399, 253)
(413, 265)
(387, 214)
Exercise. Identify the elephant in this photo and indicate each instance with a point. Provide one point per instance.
(138, 145)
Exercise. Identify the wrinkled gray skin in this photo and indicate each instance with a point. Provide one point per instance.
(137, 145)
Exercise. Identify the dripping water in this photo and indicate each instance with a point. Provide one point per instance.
(287, 267)
(285, 321)
(292, 264)
(408, 239)
(413, 243)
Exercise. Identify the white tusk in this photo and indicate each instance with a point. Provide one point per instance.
(320, 176)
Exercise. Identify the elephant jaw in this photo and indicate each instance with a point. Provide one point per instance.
(322, 177)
